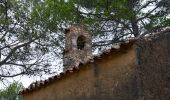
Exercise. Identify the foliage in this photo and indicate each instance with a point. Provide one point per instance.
(112, 20)
(32, 36)
(26, 41)
(11, 92)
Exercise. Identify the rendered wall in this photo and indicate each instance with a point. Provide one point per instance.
(154, 67)
(112, 77)
(140, 72)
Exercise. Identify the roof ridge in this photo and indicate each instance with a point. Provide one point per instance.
(39, 84)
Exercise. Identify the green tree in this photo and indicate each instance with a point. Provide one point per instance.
(25, 42)
(11, 92)
(32, 31)
(110, 20)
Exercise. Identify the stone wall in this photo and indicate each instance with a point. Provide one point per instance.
(72, 55)
(153, 56)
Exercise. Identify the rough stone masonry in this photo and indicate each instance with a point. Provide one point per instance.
(78, 46)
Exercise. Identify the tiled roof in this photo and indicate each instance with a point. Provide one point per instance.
(39, 84)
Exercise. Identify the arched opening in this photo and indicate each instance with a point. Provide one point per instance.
(81, 41)
(67, 31)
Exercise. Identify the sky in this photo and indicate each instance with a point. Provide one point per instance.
(26, 80)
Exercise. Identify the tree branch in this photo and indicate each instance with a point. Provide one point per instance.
(145, 5)
(147, 14)
(5, 76)
(12, 51)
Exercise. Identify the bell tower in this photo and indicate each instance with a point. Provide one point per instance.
(78, 46)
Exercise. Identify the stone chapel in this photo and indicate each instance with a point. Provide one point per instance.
(138, 70)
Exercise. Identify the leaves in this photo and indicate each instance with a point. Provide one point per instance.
(11, 92)
(32, 31)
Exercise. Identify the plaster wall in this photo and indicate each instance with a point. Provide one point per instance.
(112, 77)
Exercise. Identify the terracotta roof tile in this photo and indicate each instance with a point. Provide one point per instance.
(39, 84)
